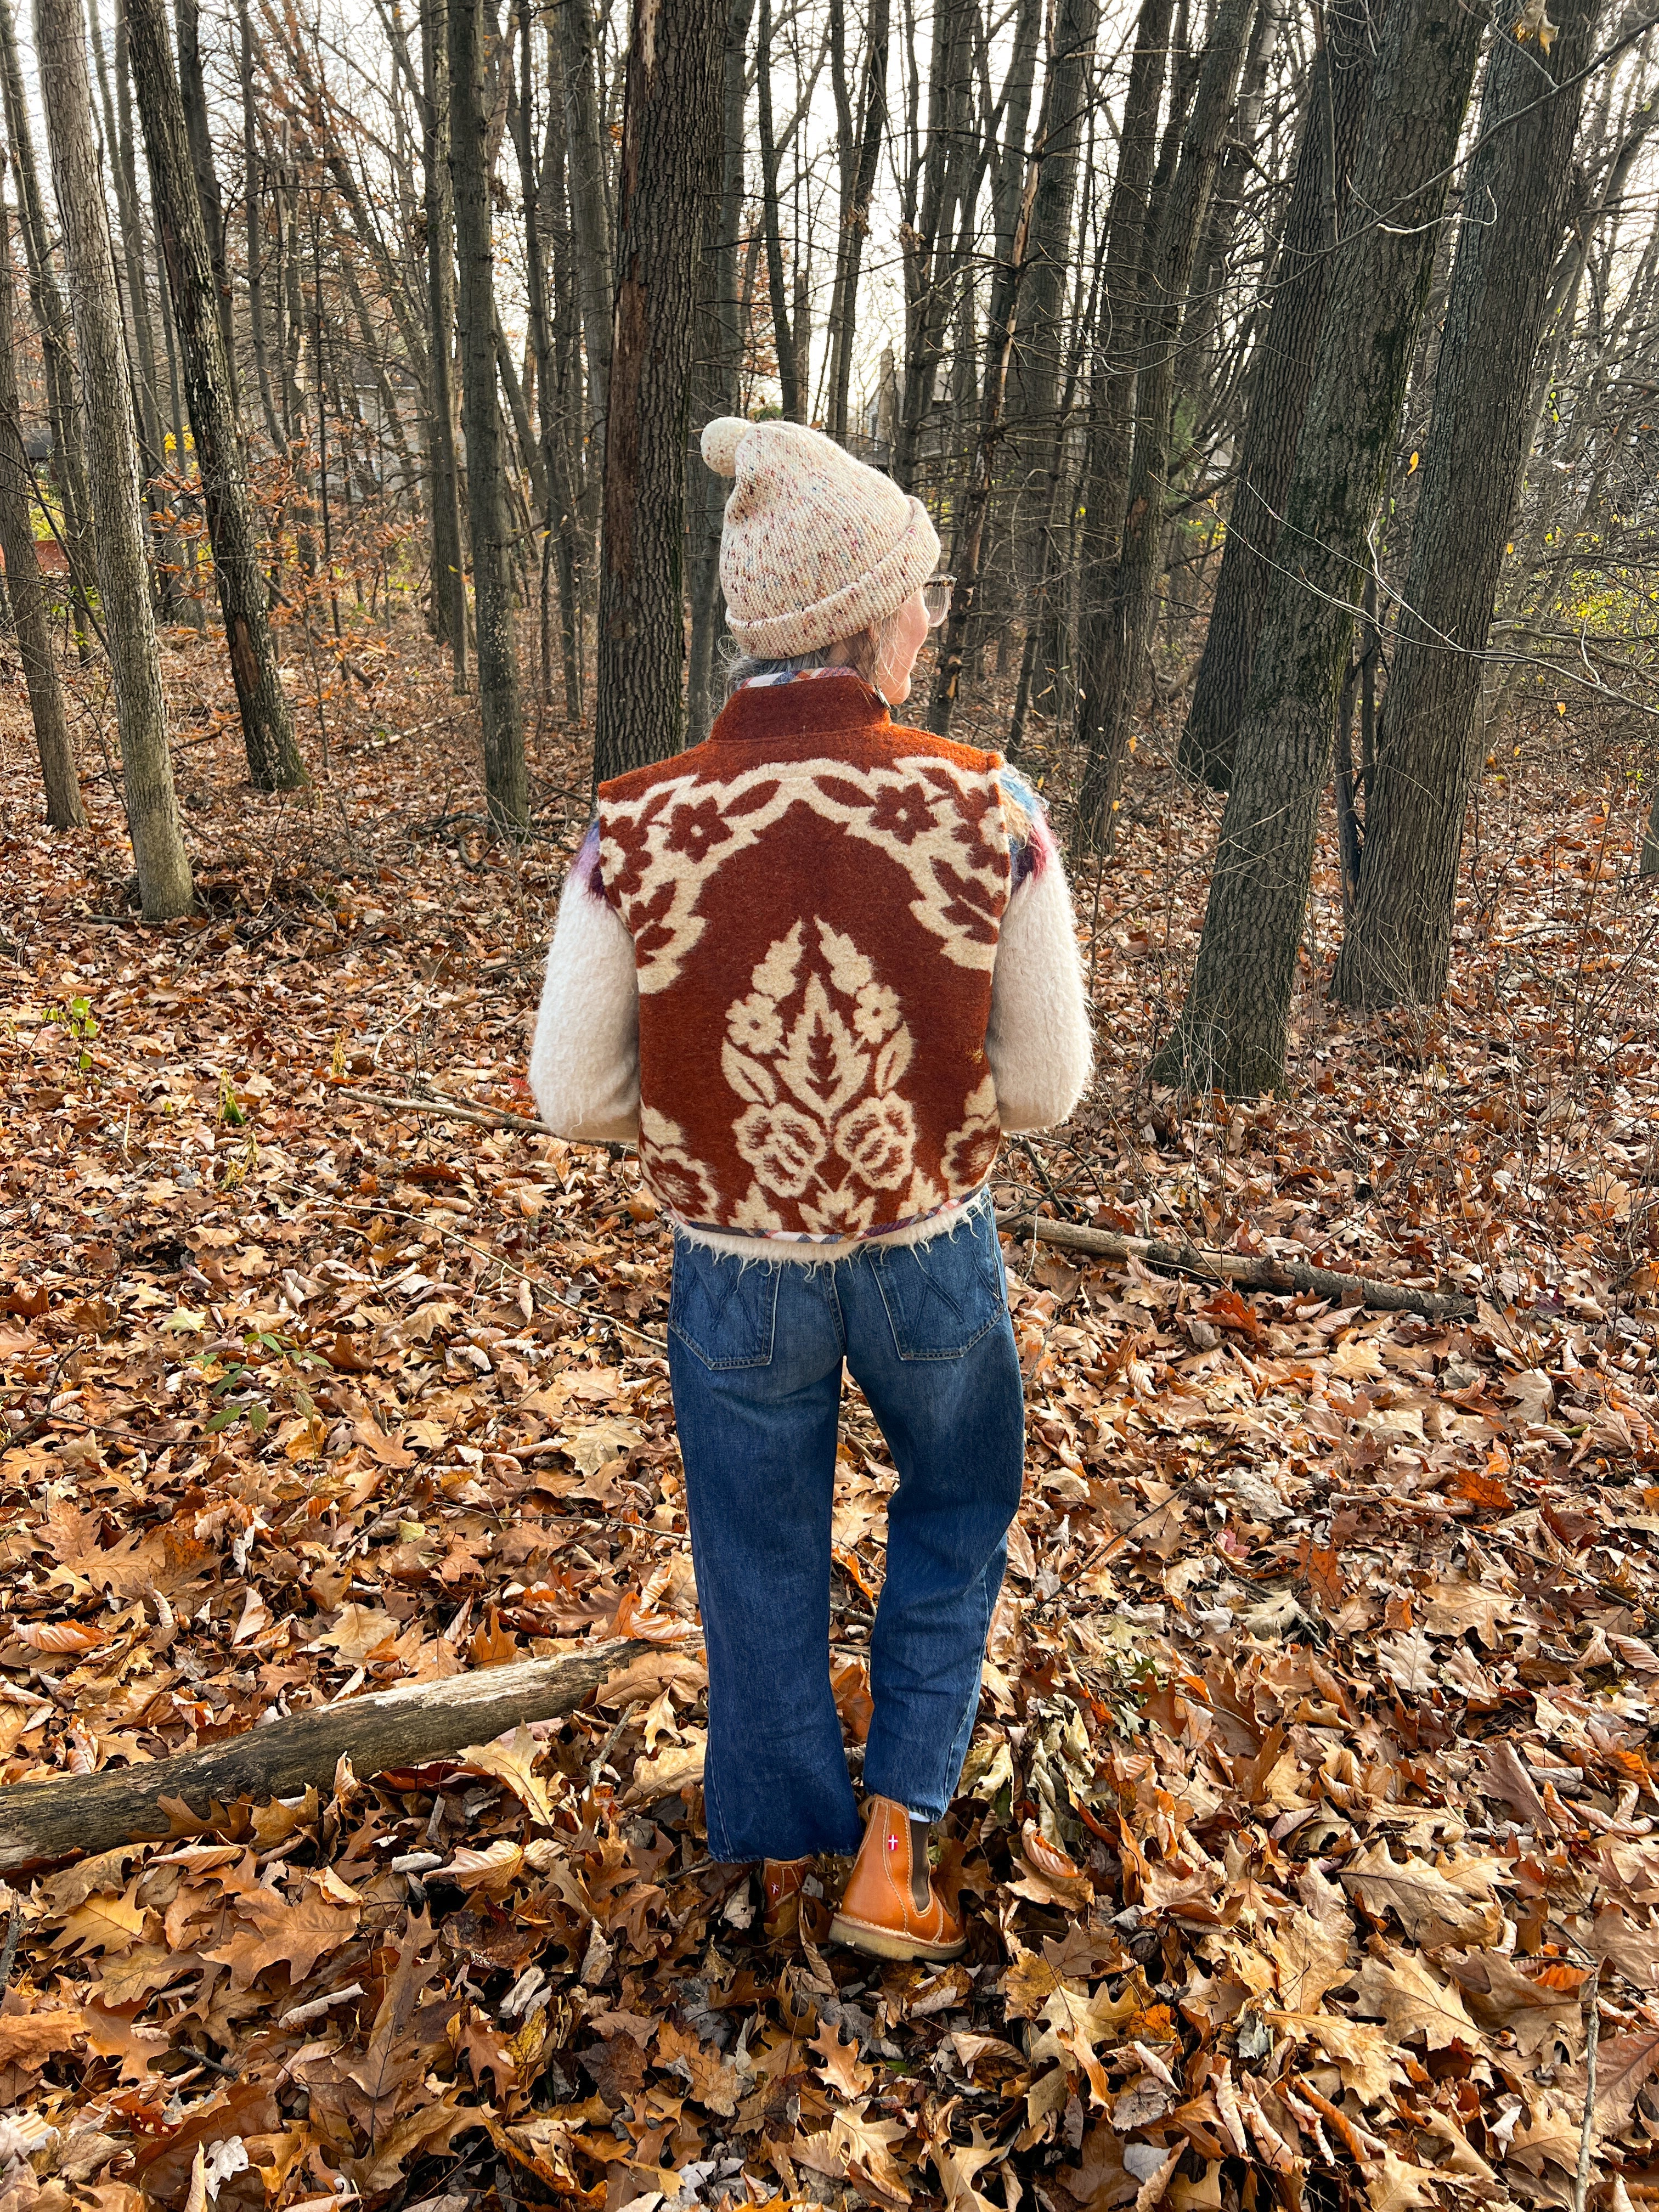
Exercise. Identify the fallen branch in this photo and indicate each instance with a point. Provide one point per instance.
(486, 1117)
(1242, 1268)
(77, 1814)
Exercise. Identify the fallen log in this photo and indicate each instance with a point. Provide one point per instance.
(78, 1813)
(1251, 1270)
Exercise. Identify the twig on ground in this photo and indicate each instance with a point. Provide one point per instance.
(613, 1739)
(1587, 2130)
(486, 1117)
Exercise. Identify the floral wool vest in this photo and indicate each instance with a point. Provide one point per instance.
(814, 896)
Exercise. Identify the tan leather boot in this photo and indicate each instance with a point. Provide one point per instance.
(890, 1909)
(782, 1882)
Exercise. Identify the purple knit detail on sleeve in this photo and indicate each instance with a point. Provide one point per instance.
(584, 868)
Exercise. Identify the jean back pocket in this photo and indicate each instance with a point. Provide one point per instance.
(722, 1307)
(942, 1296)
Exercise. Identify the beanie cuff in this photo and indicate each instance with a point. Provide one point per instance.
(882, 590)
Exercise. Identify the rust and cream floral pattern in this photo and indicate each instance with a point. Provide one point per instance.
(814, 899)
(941, 824)
(818, 1049)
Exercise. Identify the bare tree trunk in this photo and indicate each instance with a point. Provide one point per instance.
(28, 605)
(557, 495)
(559, 393)
(999, 348)
(1112, 371)
(589, 212)
(505, 777)
(273, 759)
(164, 878)
(1197, 368)
(859, 156)
(1299, 280)
(1233, 1028)
(717, 394)
(448, 565)
(1034, 371)
(253, 190)
(118, 151)
(669, 171)
(928, 231)
(1398, 944)
(51, 317)
(193, 92)
(783, 339)
(1117, 630)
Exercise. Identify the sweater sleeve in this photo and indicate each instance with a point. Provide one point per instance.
(585, 1060)
(1038, 1041)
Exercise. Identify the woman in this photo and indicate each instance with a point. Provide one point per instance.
(816, 965)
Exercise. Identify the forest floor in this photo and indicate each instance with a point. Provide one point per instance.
(1312, 1823)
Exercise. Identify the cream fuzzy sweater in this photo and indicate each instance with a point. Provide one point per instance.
(584, 1063)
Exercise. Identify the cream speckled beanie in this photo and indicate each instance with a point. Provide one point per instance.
(817, 546)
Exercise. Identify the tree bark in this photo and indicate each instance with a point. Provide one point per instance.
(448, 562)
(28, 607)
(722, 327)
(669, 171)
(590, 208)
(51, 316)
(505, 778)
(927, 236)
(1117, 630)
(860, 152)
(193, 92)
(120, 152)
(1034, 370)
(1300, 279)
(164, 876)
(998, 349)
(85, 1813)
(273, 758)
(783, 341)
(1398, 944)
(252, 194)
(556, 498)
(1232, 1032)
(560, 395)
(1112, 371)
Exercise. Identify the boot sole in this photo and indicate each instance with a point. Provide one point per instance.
(882, 1943)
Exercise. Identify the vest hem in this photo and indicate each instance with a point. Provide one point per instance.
(798, 1252)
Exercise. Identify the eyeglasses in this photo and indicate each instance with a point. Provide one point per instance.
(936, 598)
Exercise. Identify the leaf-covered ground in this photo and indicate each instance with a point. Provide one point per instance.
(1312, 1787)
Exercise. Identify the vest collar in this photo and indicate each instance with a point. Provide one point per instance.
(765, 712)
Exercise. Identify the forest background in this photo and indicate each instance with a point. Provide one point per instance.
(1283, 381)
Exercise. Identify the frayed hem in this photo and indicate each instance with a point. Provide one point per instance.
(783, 1251)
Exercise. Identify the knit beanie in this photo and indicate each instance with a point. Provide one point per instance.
(817, 546)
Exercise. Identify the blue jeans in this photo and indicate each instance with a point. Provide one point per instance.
(755, 1353)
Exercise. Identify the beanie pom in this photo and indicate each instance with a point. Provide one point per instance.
(720, 441)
